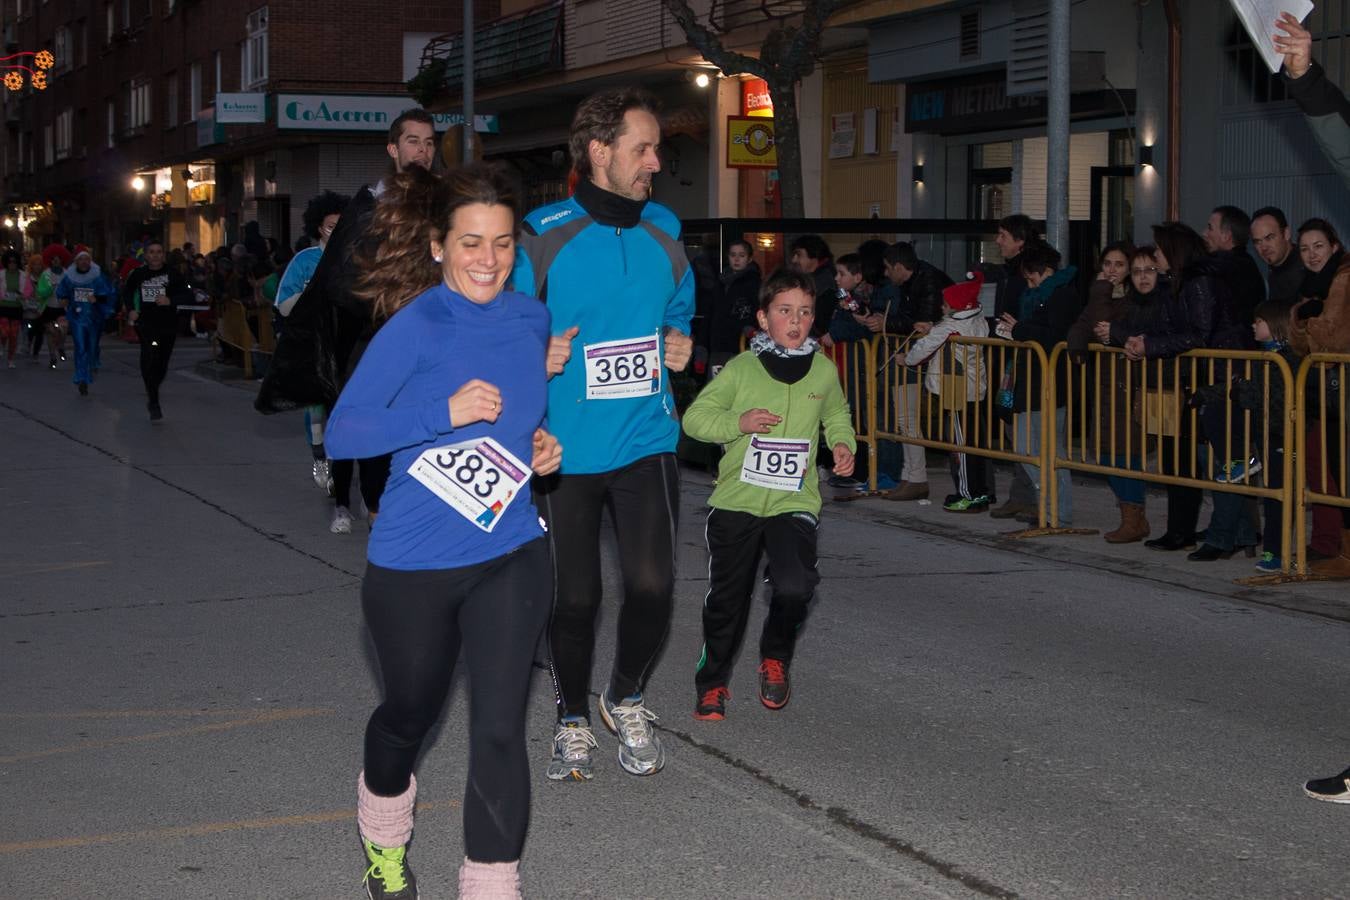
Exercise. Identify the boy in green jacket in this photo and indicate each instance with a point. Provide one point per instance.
(767, 407)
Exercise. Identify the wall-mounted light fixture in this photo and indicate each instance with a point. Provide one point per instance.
(918, 173)
(702, 79)
(1146, 156)
(138, 183)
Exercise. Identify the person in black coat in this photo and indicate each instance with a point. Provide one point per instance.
(1046, 310)
(734, 315)
(810, 255)
(1226, 236)
(330, 326)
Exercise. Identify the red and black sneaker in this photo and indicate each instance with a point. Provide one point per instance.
(712, 704)
(774, 687)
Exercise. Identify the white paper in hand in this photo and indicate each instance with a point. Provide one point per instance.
(1258, 17)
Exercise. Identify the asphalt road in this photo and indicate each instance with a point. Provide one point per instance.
(187, 679)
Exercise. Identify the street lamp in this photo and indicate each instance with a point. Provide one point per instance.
(702, 79)
(138, 183)
(9, 223)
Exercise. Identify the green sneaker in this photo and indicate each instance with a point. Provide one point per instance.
(389, 876)
(967, 505)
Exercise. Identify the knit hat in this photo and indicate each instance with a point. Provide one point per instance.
(964, 295)
(56, 251)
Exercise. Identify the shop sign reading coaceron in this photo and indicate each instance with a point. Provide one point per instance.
(331, 112)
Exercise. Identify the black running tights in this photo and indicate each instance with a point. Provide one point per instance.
(642, 499)
(421, 621)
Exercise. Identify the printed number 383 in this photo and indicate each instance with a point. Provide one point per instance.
(469, 471)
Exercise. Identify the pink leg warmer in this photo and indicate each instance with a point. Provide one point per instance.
(489, 881)
(385, 821)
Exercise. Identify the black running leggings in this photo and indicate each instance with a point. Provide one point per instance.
(420, 621)
(643, 501)
(374, 475)
(158, 330)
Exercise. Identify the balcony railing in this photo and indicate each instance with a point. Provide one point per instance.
(508, 49)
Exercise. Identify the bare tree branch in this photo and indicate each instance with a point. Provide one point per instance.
(710, 45)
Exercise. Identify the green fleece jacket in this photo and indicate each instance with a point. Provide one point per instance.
(744, 384)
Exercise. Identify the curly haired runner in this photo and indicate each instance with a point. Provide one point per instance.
(321, 217)
(454, 387)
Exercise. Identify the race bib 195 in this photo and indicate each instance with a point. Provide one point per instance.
(630, 367)
(478, 479)
(776, 463)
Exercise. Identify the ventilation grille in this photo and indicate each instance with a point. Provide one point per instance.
(970, 33)
(1029, 49)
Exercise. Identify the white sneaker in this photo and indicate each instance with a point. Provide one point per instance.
(323, 475)
(640, 750)
(342, 521)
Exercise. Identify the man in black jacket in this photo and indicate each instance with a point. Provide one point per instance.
(1015, 234)
(1275, 245)
(329, 326)
(810, 255)
(1226, 236)
(919, 286)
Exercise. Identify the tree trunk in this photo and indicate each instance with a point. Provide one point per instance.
(787, 141)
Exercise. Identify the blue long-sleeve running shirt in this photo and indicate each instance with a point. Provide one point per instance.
(398, 401)
(621, 283)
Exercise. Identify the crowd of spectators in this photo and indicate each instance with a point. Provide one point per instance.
(1189, 289)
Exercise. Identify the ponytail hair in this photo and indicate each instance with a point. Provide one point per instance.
(417, 208)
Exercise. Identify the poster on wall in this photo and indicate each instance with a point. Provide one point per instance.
(843, 135)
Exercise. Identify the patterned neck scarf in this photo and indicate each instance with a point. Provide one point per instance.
(761, 343)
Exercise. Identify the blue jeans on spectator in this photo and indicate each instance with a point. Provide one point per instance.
(1230, 525)
(1127, 490)
(1027, 440)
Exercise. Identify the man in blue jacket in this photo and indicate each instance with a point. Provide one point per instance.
(610, 265)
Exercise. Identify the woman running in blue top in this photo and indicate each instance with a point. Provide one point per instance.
(454, 386)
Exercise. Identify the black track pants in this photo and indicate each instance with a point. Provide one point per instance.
(735, 541)
(421, 621)
(158, 329)
(643, 500)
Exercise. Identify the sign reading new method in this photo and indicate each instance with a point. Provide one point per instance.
(241, 108)
(330, 112)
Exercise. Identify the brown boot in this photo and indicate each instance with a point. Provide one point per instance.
(1337, 566)
(908, 490)
(1133, 525)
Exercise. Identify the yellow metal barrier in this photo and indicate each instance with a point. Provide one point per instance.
(233, 329)
(856, 362)
(1130, 418)
(1321, 387)
(962, 415)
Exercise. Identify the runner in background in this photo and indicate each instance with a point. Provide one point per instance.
(89, 298)
(151, 294)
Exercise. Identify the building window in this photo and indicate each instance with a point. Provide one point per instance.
(82, 47)
(136, 98)
(171, 100)
(22, 156)
(219, 75)
(112, 125)
(61, 49)
(64, 124)
(48, 146)
(253, 52)
(194, 91)
(110, 16)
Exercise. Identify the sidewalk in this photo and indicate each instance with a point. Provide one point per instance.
(1094, 506)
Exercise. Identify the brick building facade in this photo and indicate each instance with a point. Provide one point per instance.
(134, 92)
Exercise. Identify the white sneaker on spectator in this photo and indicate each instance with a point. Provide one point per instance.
(342, 521)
